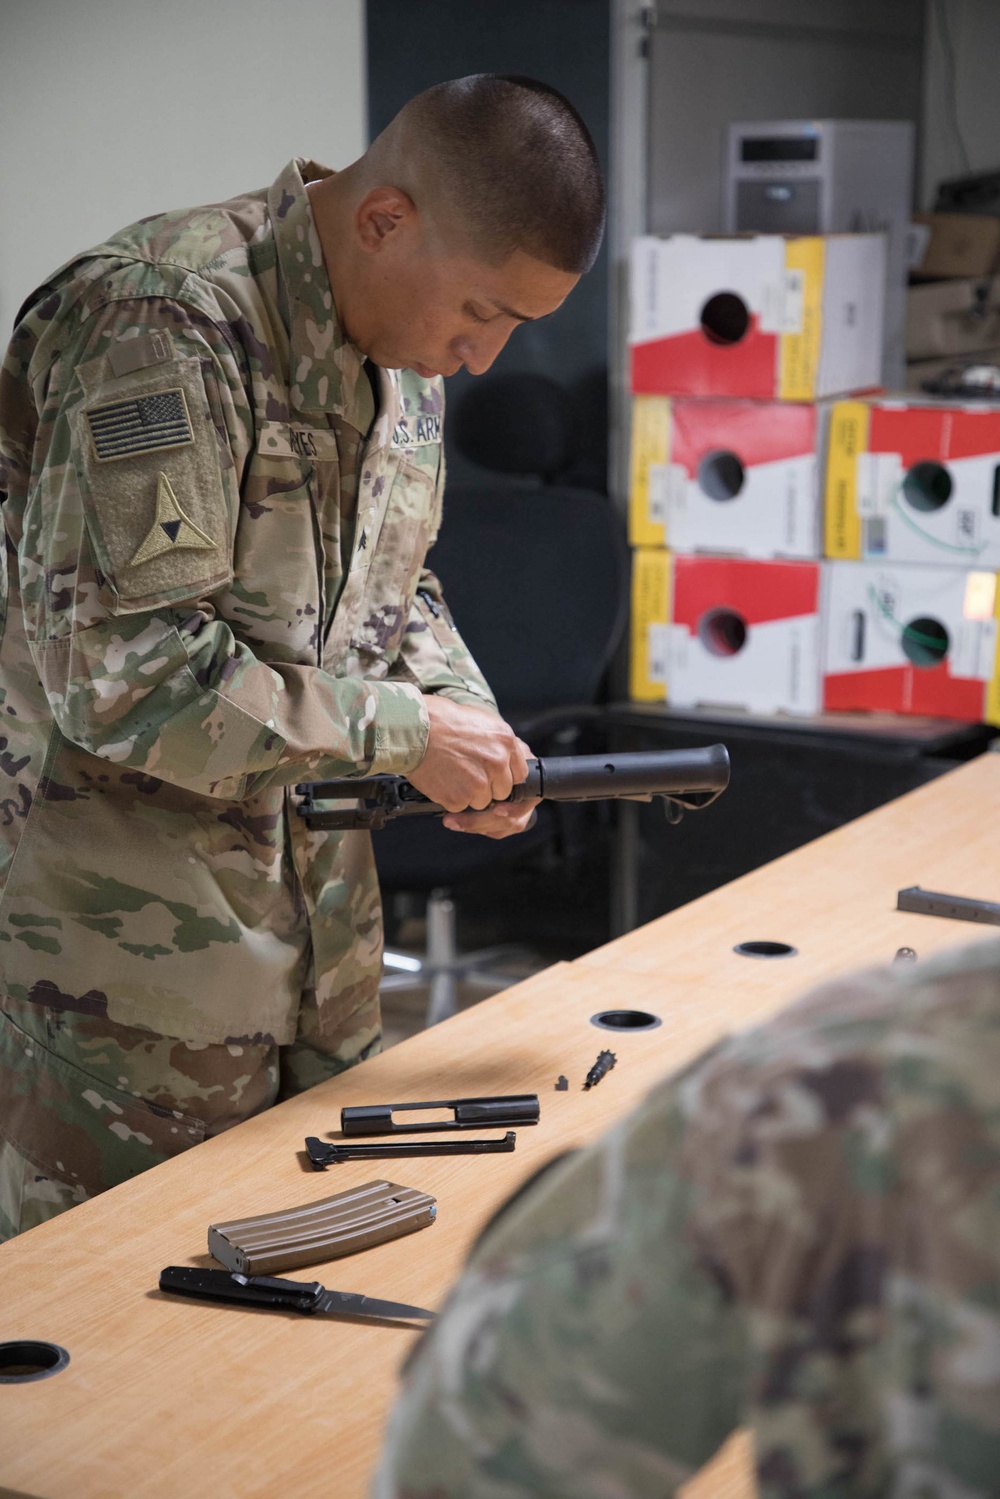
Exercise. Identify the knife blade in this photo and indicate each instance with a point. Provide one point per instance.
(287, 1295)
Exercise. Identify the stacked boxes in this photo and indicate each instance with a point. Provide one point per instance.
(914, 481)
(911, 639)
(725, 632)
(955, 321)
(740, 477)
(736, 343)
(759, 315)
(913, 528)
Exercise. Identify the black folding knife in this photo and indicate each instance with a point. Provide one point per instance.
(286, 1295)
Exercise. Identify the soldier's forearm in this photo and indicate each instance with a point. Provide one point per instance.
(190, 704)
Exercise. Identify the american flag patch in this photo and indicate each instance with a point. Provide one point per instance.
(146, 424)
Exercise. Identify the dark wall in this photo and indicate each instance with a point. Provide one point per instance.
(415, 43)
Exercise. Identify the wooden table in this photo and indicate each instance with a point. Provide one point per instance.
(794, 779)
(163, 1396)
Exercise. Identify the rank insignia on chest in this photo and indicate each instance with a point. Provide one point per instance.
(171, 531)
(143, 424)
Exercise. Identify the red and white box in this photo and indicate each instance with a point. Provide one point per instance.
(767, 316)
(725, 632)
(739, 477)
(907, 639)
(914, 481)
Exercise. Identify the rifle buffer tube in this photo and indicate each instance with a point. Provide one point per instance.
(577, 778)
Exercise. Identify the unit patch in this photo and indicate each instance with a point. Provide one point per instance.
(144, 424)
(171, 531)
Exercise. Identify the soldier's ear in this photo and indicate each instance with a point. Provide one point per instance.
(383, 213)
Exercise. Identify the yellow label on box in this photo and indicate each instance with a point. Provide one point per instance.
(804, 269)
(650, 448)
(651, 575)
(991, 706)
(848, 438)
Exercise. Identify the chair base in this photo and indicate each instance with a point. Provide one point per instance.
(443, 969)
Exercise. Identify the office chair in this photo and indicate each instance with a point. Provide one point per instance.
(535, 574)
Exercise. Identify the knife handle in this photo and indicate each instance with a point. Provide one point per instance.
(249, 1290)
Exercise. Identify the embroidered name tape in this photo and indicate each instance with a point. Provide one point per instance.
(279, 440)
(416, 431)
(145, 424)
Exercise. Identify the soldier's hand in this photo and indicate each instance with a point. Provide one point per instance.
(472, 758)
(501, 821)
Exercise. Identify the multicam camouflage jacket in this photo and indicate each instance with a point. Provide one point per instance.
(800, 1235)
(190, 629)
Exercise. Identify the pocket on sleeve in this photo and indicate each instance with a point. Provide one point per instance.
(151, 475)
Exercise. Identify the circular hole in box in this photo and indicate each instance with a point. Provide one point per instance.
(927, 486)
(625, 1020)
(765, 950)
(722, 632)
(25, 1360)
(725, 318)
(721, 475)
(925, 641)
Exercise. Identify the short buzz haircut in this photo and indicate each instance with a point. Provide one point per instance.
(516, 167)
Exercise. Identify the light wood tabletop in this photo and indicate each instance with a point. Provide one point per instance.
(164, 1395)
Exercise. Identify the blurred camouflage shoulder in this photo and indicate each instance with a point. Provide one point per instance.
(845, 1159)
(799, 1234)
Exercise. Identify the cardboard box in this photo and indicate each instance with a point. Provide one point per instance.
(949, 319)
(914, 481)
(740, 477)
(725, 632)
(917, 640)
(919, 370)
(766, 316)
(960, 244)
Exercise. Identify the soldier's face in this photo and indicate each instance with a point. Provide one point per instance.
(435, 312)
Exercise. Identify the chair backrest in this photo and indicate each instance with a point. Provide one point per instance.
(536, 576)
(536, 579)
(534, 568)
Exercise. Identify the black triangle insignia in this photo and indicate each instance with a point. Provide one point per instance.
(171, 527)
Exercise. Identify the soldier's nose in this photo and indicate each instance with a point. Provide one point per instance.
(478, 354)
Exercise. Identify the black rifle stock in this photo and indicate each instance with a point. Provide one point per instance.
(685, 779)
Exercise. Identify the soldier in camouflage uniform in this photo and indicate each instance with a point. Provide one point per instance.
(800, 1235)
(216, 514)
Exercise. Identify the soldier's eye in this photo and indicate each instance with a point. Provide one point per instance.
(471, 312)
